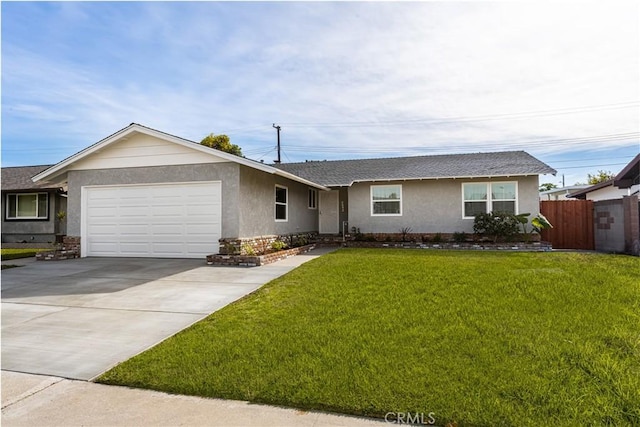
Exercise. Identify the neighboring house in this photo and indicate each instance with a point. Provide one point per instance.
(616, 214)
(29, 210)
(142, 192)
(629, 177)
(606, 190)
(561, 193)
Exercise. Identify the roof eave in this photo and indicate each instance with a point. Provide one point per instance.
(293, 177)
(61, 167)
(629, 175)
(425, 178)
(134, 127)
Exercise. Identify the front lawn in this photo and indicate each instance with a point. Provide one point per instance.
(479, 338)
(7, 254)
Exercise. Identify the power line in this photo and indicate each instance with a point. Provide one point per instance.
(587, 160)
(475, 146)
(591, 166)
(486, 117)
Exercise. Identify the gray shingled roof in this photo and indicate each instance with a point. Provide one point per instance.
(19, 178)
(345, 172)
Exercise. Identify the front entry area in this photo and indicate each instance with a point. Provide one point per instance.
(166, 220)
(329, 212)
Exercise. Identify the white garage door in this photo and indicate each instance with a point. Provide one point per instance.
(152, 220)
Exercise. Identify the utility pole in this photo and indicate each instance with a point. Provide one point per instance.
(278, 129)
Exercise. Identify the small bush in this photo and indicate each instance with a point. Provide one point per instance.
(278, 245)
(498, 225)
(404, 231)
(437, 238)
(460, 237)
(247, 249)
(357, 235)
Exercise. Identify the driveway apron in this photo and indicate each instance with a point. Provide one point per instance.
(78, 318)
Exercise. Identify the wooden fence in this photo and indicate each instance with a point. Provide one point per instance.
(572, 222)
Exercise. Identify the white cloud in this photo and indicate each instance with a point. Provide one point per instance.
(361, 76)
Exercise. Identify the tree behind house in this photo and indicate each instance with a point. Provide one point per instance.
(222, 143)
(599, 177)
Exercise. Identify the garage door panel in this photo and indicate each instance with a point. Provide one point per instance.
(198, 229)
(105, 211)
(103, 229)
(134, 248)
(168, 210)
(155, 220)
(104, 247)
(134, 229)
(167, 229)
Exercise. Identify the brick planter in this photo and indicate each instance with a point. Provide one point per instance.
(256, 260)
(70, 250)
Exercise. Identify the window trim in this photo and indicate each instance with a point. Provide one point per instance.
(372, 202)
(490, 199)
(312, 198)
(276, 203)
(8, 217)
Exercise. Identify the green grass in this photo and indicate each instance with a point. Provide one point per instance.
(7, 266)
(8, 254)
(479, 338)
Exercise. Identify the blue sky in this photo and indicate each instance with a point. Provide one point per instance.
(343, 80)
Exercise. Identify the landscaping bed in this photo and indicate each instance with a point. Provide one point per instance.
(16, 253)
(507, 246)
(256, 260)
(477, 338)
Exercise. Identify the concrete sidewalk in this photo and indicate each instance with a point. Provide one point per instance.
(34, 400)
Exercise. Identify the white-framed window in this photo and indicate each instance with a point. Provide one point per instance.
(27, 206)
(485, 197)
(282, 203)
(313, 198)
(386, 200)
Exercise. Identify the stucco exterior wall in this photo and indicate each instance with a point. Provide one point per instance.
(610, 192)
(228, 173)
(257, 205)
(37, 231)
(608, 227)
(431, 206)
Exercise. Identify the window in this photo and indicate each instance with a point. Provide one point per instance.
(484, 197)
(282, 197)
(313, 198)
(28, 206)
(386, 200)
(503, 197)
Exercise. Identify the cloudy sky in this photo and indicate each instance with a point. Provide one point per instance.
(343, 80)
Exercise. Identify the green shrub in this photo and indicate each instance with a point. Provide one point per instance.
(278, 245)
(247, 249)
(459, 237)
(498, 225)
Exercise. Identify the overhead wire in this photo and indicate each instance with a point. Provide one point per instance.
(486, 117)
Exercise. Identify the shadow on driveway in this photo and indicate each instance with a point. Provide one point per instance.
(88, 276)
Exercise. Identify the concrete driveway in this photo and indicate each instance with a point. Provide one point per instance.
(77, 318)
